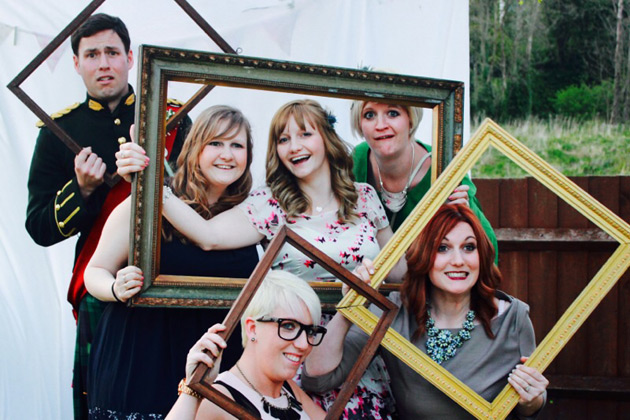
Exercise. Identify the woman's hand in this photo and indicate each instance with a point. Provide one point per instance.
(207, 351)
(131, 157)
(530, 385)
(459, 196)
(128, 282)
(363, 271)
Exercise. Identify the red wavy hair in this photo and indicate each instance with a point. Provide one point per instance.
(416, 287)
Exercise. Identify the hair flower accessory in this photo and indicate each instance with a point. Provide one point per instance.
(331, 119)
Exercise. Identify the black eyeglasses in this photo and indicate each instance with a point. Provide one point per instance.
(290, 329)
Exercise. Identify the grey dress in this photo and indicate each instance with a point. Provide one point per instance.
(481, 363)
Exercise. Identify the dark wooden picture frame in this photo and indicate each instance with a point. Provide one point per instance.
(111, 178)
(159, 66)
(200, 381)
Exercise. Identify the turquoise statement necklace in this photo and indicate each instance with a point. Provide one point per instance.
(442, 344)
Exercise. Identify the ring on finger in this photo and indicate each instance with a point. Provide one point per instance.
(528, 387)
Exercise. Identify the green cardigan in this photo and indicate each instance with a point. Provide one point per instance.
(414, 195)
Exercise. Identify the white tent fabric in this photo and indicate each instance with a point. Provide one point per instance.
(418, 37)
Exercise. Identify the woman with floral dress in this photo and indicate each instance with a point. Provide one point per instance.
(310, 189)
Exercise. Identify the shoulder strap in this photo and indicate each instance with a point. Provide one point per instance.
(420, 163)
(239, 398)
(286, 386)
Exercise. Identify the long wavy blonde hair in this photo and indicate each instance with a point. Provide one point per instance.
(283, 183)
(189, 183)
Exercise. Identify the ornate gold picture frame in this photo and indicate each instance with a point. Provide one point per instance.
(491, 134)
(200, 380)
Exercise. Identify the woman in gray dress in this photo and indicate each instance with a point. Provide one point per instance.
(450, 308)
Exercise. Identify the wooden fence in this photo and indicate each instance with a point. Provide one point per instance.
(547, 253)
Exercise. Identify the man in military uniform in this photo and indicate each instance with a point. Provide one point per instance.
(67, 195)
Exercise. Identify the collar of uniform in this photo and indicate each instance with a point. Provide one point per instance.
(96, 105)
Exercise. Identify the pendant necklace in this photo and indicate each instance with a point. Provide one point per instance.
(319, 209)
(442, 344)
(273, 410)
(396, 201)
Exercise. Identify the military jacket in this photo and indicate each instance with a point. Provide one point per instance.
(56, 209)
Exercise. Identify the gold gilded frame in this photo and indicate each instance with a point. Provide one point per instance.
(491, 134)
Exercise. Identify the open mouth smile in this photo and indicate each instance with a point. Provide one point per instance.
(457, 275)
(293, 357)
(299, 159)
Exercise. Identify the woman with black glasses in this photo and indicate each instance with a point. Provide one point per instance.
(279, 329)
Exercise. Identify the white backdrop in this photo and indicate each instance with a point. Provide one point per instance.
(418, 37)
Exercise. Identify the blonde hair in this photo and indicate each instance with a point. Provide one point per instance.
(283, 183)
(356, 111)
(189, 183)
(282, 289)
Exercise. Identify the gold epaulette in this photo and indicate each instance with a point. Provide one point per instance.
(59, 114)
(174, 102)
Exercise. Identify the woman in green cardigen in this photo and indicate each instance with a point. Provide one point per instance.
(399, 166)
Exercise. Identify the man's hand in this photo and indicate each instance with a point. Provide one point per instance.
(90, 171)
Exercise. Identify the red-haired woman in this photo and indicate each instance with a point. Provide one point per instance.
(450, 309)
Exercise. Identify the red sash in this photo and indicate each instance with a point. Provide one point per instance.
(116, 195)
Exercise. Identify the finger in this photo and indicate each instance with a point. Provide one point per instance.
(462, 188)
(126, 158)
(519, 388)
(131, 292)
(83, 154)
(362, 274)
(133, 148)
(100, 169)
(458, 201)
(95, 166)
(201, 358)
(130, 150)
(525, 382)
(532, 376)
(458, 194)
(345, 289)
(369, 265)
(211, 345)
(132, 133)
(216, 327)
(133, 269)
(89, 162)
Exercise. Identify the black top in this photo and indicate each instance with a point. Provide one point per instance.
(139, 354)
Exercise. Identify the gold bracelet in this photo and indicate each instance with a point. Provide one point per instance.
(183, 388)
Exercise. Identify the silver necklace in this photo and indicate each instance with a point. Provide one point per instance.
(270, 408)
(319, 209)
(396, 201)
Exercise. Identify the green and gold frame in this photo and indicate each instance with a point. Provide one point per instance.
(491, 134)
(200, 380)
(158, 66)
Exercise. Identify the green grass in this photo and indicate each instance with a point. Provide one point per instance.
(575, 148)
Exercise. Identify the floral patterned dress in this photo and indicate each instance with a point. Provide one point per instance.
(347, 243)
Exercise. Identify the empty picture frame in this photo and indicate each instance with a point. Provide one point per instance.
(158, 66)
(111, 178)
(200, 380)
(491, 134)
